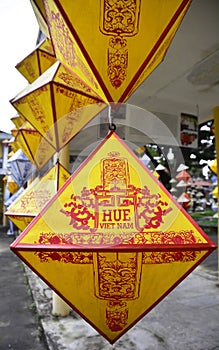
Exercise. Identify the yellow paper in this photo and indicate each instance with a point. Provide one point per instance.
(34, 146)
(38, 61)
(36, 195)
(58, 105)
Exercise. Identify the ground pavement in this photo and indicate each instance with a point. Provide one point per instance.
(19, 327)
(188, 318)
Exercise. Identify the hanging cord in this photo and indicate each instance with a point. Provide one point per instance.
(112, 126)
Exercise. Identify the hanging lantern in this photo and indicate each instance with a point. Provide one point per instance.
(114, 46)
(184, 200)
(20, 167)
(183, 176)
(18, 121)
(55, 105)
(34, 146)
(32, 200)
(109, 238)
(38, 61)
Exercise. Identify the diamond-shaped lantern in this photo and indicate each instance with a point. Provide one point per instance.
(112, 242)
(56, 104)
(38, 61)
(115, 45)
(18, 121)
(20, 168)
(32, 200)
(36, 148)
(183, 176)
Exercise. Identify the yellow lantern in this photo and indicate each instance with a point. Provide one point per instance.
(112, 242)
(38, 61)
(58, 105)
(34, 146)
(18, 121)
(32, 200)
(115, 45)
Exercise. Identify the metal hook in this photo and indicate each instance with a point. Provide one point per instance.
(112, 126)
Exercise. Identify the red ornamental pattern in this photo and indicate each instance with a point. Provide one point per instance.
(35, 200)
(114, 207)
(149, 209)
(147, 257)
(169, 257)
(155, 238)
(116, 211)
(63, 39)
(37, 110)
(73, 82)
(65, 43)
(116, 315)
(119, 19)
(66, 257)
(181, 237)
(81, 238)
(114, 171)
(117, 279)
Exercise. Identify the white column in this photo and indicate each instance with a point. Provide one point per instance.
(59, 306)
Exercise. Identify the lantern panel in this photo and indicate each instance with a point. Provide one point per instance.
(36, 148)
(36, 195)
(67, 49)
(131, 39)
(55, 109)
(38, 61)
(112, 291)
